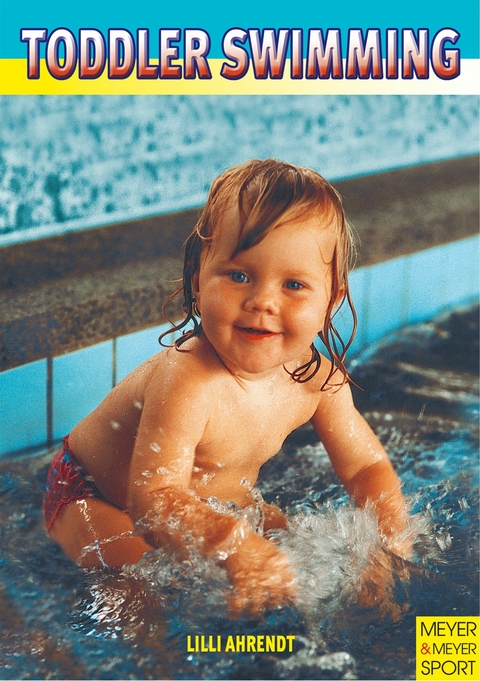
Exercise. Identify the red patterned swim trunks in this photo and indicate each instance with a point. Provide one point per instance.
(67, 481)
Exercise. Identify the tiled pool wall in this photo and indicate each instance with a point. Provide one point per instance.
(67, 162)
(40, 402)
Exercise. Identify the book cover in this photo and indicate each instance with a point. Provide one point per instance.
(116, 117)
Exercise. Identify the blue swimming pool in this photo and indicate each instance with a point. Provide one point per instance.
(421, 397)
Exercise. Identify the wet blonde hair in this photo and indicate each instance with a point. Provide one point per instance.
(264, 192)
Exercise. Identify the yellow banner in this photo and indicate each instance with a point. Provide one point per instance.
(14, 81)
(448, 648)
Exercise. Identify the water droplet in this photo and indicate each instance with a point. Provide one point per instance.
(155, 447)
(147, 474)
(206, 477)
(115, 425)
(444, 539)
(138, 405)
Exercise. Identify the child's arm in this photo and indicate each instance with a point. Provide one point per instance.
(362, 464)
(173, 422)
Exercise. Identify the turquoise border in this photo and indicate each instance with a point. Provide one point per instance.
(217, 17)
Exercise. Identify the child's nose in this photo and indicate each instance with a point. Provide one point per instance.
(262, 299)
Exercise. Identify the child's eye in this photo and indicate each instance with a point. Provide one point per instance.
(238, 277)
(293, 285)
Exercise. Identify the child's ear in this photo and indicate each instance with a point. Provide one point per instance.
(195, 285)
(340, 296)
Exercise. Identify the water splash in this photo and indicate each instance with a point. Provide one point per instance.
(338, 557)
(252, 513)
(341, 560)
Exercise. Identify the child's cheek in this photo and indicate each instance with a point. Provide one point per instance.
(217, 297)
(308, 319)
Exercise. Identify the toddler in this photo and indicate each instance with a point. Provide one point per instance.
(170, 457)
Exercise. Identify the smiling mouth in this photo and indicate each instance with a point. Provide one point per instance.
(255, 334)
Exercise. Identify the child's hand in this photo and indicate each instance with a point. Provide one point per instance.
(401, 545)
(261, 576)
(274, 518)
(378, 579)
(378, 583)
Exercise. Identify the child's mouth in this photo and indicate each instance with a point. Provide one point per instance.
(255, 334)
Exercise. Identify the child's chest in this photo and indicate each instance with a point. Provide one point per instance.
(251, 426)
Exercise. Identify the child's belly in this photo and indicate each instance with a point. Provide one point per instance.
(226, 483)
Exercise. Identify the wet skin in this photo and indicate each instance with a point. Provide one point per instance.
(200, 422)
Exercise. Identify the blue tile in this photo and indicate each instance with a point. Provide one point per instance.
(426, 284)
(136, 348)
(23, 407)
(385, 298)
(462, 271)
(80, 381)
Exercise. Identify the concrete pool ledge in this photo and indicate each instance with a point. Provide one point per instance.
(80, 309)
(70, 291)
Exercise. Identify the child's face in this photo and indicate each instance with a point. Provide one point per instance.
(263, 308)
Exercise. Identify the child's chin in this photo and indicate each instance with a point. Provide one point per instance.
(254, 362)
(258, 368)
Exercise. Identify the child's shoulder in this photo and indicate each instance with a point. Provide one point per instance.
(328, 381)
(192, 364)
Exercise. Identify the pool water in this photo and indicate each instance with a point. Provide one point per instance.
(421, 397)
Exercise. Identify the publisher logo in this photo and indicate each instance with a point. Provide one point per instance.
(448, 648)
